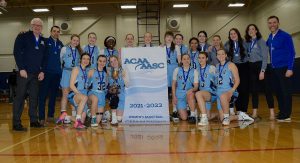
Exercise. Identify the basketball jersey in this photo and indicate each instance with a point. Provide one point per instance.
(194, 60)
(185, 79)
(183, 49)
(81, 82)
(207, 78)
(70, 58)
(171, 56)
(99, 81)
(94, 53)
(203, 48)
(108, 53)
(224, 77)
(212, 57)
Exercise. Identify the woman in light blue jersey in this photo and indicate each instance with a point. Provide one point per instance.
(92, 49)
(207, 88)
(185, 83)
(109, 50)
(79, 87)
(70, 56)
(194, 52)
(98, 90)
(179, 42)
(117, 80)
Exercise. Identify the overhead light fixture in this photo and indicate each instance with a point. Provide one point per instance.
(40, 10)
(128, 6)
(236, 4)
(0, 12)
(79, 8)
(180, 5)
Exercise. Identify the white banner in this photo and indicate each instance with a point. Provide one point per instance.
(146, 98)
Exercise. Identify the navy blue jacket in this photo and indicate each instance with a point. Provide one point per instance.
(27, 56)
(282, 51)
(53, 56)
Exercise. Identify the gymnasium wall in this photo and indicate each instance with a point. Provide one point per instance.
(214, 22)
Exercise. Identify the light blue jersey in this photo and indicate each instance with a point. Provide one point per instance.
(183, 49)
(94, 53)
(207, 78)
(98, 87)
(70, 58)
(172, 64)
(185, 81)
(121, 85)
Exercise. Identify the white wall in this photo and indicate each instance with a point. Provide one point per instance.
(119, 25)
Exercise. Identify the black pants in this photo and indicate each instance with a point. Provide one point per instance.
(283, 89)
(30, 84)
(243, 89)
(256, 84)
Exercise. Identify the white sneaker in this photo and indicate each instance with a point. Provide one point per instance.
(244, 117)
(114, 120)
(244, 124)
(67, 120)
(203, 121)
(226, 121)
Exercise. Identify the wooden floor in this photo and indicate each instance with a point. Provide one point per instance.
(262, 141)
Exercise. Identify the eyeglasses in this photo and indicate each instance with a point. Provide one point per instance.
(37, 25)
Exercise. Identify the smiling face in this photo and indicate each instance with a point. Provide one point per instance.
(74, 41)
(194, 45)
(111, 43)
(55, 33)
(178, 40)
(85, 60)
(114, 62)
(233, 35)
(37, 27)
(252, 31)
(92, 39)
(148, 38)
(186, 61)
(216, 41)
(202, 38)
(129, 40)
(168, 39)
(202, 59)
(221, 56)
(101, 62)
(273, 25)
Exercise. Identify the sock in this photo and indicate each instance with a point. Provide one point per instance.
(93, 116)
(193, 114)
(119, 118)
(78, 117)
(174, 108)
(203, 115)
(73, 113)
(231, 110)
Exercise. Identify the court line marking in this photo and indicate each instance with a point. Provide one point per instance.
(151, 153)
(25, 140)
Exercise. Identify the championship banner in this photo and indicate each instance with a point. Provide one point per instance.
(146, 98)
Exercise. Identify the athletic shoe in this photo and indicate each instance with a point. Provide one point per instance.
(203, 121)
(244, 124)
(244, 117)
(67, 120)
(284, 120)
(79, 125)
(175, 117)
(61, 117)
(226, 121)
(94, 122)
(19, 128)
(114, 120)
(192, 120)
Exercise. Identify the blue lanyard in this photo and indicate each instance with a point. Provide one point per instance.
(168, 52)
(91, 53)
(55, 46)
(84, 75)
(112, 53)
(253, 42)
(202, 73)
(37, 42)
(221, 70)
(185, 77)
(181, 49)
(101, 78)
(73, 54)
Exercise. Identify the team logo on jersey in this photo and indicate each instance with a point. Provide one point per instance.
(143, 63)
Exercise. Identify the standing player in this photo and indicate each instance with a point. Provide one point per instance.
(194, 52)
(179, 42)
(203, 45)
(185, 83)
(92, 49)
(148, 39)
(70, 56)
(109, 50)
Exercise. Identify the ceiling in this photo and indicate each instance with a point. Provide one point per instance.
(61, 7)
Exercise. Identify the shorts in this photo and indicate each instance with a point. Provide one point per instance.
(101, 97)
(72, 100)
(233, 98)
(181, 99)
(65, 78)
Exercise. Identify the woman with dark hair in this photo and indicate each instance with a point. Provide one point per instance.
(109, 50)
(70, 56)
(194, 52)
(258, 55)
(79, 87)
(179, 42)
(203, 45)
(237, 53)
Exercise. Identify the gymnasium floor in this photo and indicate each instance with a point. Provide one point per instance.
(262, 141)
